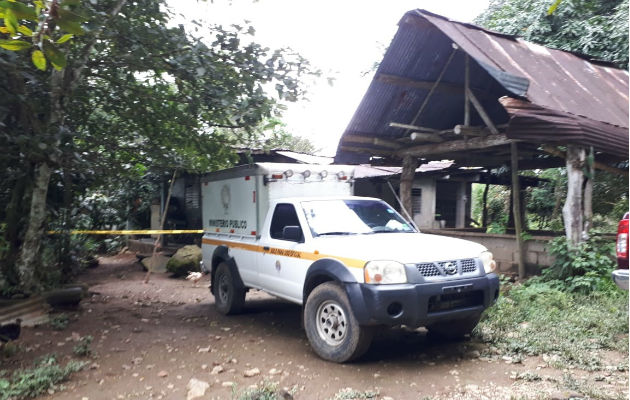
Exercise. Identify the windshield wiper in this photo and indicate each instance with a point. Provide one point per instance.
(337, 233)
(386, 231)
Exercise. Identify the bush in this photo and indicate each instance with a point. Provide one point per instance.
(585, 269)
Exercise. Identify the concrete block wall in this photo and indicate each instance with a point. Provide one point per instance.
(503, 247)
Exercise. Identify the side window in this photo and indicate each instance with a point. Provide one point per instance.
(284, 215)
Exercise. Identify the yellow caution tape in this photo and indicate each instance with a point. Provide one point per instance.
(130, 232)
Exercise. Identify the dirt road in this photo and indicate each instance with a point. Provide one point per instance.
(149, 340)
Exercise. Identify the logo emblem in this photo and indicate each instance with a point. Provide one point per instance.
(225, 197)
(450, 268)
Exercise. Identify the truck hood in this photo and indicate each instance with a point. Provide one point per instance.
(401, 247)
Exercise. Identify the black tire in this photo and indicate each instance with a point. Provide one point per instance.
(229, 298)
(331, 327)
(452, 330)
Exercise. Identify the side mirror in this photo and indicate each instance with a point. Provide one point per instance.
(292, 233)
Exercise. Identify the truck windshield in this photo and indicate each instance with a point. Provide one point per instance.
(352, 217)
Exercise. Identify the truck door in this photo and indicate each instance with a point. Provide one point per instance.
(281, 266)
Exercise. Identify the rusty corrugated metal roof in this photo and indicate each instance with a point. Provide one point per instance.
(557, 79)
(500, 66)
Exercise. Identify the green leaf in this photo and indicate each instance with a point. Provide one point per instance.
(39, 60)
(65, 38)
(20, 10)
(71, 27)
(553, 7)
(69, 16)
(11, 22)
(56, 57)
(14, 45)
(24, 30)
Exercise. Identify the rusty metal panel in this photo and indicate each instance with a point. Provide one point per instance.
(536, 124)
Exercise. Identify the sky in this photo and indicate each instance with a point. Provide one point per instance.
(342, 38)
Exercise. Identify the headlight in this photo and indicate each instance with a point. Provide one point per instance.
(489, 265)
(384, 272)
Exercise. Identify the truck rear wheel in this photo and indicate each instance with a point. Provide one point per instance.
(456, 329)
(228, 297)
(331, 327)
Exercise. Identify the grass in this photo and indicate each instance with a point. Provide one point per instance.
(32, 382)
(570, 329)
(351, 394)
(59, 322)
(267, 390)
(83, 348)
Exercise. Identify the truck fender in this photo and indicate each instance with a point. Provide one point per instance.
(221, 254)
(326, 270)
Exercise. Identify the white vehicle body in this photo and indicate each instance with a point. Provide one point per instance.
(288, 229)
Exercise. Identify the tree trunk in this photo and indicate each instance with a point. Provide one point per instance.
(62, 83)
(30, 247)
(572, 212)
(588, 195)
(409, 166)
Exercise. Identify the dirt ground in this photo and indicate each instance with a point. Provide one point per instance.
(151, 339)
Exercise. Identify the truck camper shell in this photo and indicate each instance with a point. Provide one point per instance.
(227, 195)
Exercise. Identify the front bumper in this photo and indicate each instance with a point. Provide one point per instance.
(421, 304)
(620, 277)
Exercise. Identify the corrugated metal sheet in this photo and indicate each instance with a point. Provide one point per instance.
(532, 123)
(500, 66)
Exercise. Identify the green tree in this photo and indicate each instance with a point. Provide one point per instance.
(121, 92)
(271, 134)
(598, 28)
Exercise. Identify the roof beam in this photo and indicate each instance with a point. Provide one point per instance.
(413, 127)
(390, 144)
(601, 166)
(445, 87)
(482, 112)
(365, 150)
(456, 145)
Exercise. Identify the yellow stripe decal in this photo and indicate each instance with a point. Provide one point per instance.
(130, 232)
(349, 262)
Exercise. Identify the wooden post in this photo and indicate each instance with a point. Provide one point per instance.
(460, 205)
(410, 163)
(482, 112)
(572, 210)
(466, 90)
(484, 218)
(516, 211)
(158, 240)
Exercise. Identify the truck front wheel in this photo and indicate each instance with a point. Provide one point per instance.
(331, 327)
(228, 297)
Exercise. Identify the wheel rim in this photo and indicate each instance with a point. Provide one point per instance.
(224, 288)
(331, 322)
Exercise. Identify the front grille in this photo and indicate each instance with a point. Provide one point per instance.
(454, 301)
(468, 265)
(429, 269)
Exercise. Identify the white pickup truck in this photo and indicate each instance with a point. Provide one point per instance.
(353, 263)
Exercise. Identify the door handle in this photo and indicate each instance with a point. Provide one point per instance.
(266, 248)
